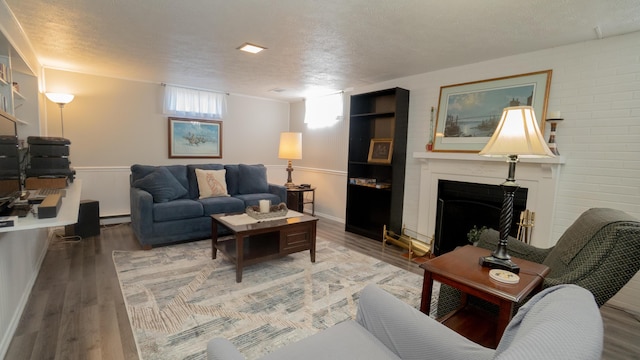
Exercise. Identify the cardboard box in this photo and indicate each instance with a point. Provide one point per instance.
(33, 183)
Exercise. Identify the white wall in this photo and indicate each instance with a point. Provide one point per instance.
(596, 87)
(324, 162)
(114, 123)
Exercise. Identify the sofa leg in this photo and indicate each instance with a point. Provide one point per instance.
(147, 247)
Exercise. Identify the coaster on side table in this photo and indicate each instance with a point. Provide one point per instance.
(504, 276)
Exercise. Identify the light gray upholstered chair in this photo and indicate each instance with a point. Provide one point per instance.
(561, 322)
(600, 252)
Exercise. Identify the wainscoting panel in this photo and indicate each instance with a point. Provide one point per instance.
(109, 186)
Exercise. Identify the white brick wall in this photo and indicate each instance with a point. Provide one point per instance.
(596, 87)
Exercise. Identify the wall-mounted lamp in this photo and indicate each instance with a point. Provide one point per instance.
(61, 99)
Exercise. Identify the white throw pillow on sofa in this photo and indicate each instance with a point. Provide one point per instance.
(211, 183)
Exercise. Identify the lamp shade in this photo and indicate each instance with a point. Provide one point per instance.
(290, 146)
(518, 134)
(60, 98)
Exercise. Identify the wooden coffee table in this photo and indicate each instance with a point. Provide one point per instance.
(265, 240)
(460, 268)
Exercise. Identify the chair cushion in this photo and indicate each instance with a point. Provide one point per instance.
(211, 183)
(253, 179)
(162, 185)
(347, 340)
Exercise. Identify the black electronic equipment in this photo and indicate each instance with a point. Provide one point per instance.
(88, 220)
(48, 157)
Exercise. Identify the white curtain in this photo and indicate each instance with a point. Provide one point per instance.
(323, 111)
(194, 103)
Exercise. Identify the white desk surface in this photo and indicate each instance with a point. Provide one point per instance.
(67, 215)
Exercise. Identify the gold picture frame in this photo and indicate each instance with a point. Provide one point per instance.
(468, 113)
(380, 151)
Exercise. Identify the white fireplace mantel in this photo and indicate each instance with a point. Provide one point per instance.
(540, 176)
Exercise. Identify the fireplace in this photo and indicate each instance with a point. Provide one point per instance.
(463, 205)
(538, 176)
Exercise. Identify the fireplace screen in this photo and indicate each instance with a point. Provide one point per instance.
(462, 205)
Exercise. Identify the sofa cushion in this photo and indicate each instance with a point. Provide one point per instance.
(177, 210)
(178, 171)
(233, 178)
(193, 180)
(253, 179)
(220, 205)
(254, 199)
(162, 185)
(211, 183)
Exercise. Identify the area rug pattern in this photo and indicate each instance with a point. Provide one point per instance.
(178, 298)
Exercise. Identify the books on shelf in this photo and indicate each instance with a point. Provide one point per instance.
(369, 183)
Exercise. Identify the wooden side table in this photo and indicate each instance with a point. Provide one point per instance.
(460, 269)
(296, 199)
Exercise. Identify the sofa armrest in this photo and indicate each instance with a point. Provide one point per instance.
(409, 333)
(141, 203)
(489, 240)
(279, 190)
(222, 349)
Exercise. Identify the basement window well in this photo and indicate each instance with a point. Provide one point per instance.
(194, 103)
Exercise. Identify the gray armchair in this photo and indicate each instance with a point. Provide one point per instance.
(600, 252)
(561, 322)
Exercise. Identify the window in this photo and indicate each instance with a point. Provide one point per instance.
(323, 111)
(194, 103)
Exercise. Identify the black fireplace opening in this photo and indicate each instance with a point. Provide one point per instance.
(463, 205)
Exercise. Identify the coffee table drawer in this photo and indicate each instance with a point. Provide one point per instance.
(296, 238)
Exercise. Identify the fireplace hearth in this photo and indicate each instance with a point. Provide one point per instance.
(463, 205)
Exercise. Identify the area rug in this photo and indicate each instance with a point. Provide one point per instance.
(178, 298)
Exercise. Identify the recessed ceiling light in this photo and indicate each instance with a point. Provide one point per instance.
(250, 48)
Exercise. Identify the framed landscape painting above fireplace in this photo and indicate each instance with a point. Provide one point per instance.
(468, 113)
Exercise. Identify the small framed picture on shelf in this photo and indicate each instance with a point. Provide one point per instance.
(380, 151)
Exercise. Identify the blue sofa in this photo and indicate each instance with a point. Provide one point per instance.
(166, 204)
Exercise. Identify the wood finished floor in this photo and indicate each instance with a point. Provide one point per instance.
(76, 309)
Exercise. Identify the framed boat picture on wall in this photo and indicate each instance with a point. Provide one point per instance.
(468, 113)
(193, 138)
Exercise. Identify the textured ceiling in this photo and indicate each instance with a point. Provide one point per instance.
(313, 45)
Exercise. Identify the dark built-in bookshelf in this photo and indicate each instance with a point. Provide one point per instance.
(375, 190)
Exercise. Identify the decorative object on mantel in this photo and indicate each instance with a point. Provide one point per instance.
(517, 135)
(274, 211)
(290, 149)
(525, 226)
(469, 112)
(429, 146)
(62, 100)
(554, 117)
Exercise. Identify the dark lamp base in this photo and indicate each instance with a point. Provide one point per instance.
(497, 263)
